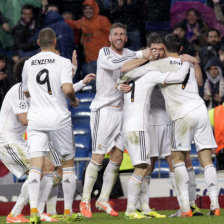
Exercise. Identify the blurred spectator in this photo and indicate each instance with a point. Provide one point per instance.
(214, 84)
(6, 78)
(196, 28)
(4, 23)
(23, 31)
(64, 34)
(218, 11)
(95, 32)
(212, 47)
(131, 13)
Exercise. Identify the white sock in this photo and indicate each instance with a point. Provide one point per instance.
(144, 195)
(52, 201)
(69, 188)
(109, 179)
(182, 182)
(192, 185)
(22, 200)
(134, 187)
(34, 186)
(46, 184)
(211, 183)
(90, 179)
(174, 186)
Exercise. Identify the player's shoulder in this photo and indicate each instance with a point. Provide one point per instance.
(15, 90)
(104, 51)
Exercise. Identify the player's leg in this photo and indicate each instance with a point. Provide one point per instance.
(109, 179)
(210, 175)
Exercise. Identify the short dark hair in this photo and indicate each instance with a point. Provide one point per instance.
(213, 30)
(46, 37)
(154, 38)
(27, 6)
(118, 25)
(18, 68)
(172, 43)
(195, 11)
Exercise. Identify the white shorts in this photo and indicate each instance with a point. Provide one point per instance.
(15, 158)
(138, 146)
(161, 140)
(193, 126)
(62, 141)
(106, 125)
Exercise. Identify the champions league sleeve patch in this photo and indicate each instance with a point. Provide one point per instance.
(22, 105)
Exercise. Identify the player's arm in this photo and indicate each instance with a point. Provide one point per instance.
(82, 83)
(23, 118)
(179, 76)
(111, 62)
(197, 68)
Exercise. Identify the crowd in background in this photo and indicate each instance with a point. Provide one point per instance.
(84, 25)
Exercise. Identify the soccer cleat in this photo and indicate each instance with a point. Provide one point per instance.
(106, 206)
(177, 214)
(215, 212)
(85, 209)
(196, 211)
(58, 217)
(154, 214)
(47, 218)
(35, 218)
(186, 214)
(16, 219)
(134, 215)
(72, 218)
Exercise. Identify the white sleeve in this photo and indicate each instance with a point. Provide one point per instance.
(25, 76)
(78, 85)
(110, 62)
(179, 76)
(66, 72)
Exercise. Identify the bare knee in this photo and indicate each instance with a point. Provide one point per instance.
(141, 169)
(116, 155)
(98, 158)
(205, 157)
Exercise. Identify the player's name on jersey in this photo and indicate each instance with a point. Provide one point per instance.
(43, 61)
(176, 62)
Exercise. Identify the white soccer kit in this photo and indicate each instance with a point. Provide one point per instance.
(106, 107)
(48, 117)
(161, 127)
(13, 148)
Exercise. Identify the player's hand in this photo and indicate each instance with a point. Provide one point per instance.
(89, 78)
(125, 88)
(76, 103)
(74, 58)
(188, 58)
(146, 53)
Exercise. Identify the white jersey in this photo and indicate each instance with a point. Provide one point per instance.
(180, 101)
(108, 71)
(43, 75)
(11, 130)
(136, 114)
(158, 114)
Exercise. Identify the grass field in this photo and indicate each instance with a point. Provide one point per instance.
(102, 218)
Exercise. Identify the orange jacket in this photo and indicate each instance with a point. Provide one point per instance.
(219, 127)
(95, 31)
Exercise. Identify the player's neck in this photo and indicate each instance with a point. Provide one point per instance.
(173, 55)
(51, 49)
(120, 51)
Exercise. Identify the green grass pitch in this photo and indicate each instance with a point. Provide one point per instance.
(102, 218)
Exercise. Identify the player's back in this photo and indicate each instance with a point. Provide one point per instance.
(11, 130)
(180, 98)
(43, 76)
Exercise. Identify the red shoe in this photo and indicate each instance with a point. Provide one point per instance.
(106, 206)
(187, 214)
(16, 219)
(85, 209)
(215, 212)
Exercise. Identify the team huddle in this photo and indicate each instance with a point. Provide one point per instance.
(146, 102)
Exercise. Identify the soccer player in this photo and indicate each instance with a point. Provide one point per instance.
(188, 111)
(136, 130)
(106, 119)
(47, 78)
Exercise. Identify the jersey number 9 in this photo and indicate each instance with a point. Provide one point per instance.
(45, 80)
